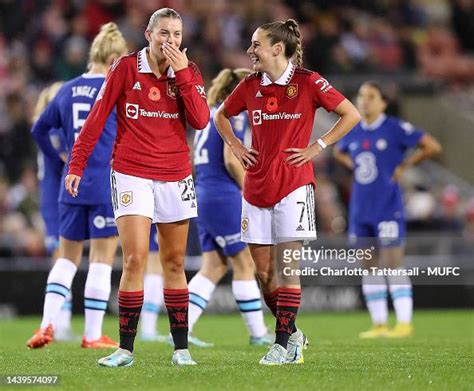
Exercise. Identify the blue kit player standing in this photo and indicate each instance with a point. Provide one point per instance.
(90, 214)
(49, 178)
(50, 172)
(219, 180)
(376, 152)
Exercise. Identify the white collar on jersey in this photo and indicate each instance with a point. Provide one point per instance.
(283, 80)
(93, 75)
(374, 125)
(144, 67)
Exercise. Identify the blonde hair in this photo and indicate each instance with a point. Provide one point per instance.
(107, 42)
(224, 83)
(289, 33)
(46, 96)
(161, 13)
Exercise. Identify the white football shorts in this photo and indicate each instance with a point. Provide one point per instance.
(162, 202)
(291, 219)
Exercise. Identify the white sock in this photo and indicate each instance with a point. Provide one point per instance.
(247, 296)
(200, 292)
(375, 293)
(63, 320)
(402, 297)
(57, 288)
(152, 302)
(96, 298)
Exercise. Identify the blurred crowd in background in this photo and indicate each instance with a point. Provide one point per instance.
(45, 41)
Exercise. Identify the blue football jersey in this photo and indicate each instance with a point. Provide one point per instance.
(68, 111)
(376, 150)
(211, 174)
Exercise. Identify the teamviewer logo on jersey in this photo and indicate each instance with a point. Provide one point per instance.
(131, 110)
(257, 117)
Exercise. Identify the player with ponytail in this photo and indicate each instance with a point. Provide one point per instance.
(278, 211)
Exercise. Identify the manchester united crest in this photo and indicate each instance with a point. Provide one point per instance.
(245, 224)
(292, 90)
(126, 198)
(172, 90)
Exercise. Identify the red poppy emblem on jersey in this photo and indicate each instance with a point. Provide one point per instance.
(154, 94)
(292, 90)
(366, 144)
(272, 104)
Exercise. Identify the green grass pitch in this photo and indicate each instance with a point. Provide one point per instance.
(438, 357)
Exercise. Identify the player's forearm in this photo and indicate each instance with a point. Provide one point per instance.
(195, 104)
(343, 158)
(81, 152)
(40, 133)
(197, 110)
(233, 167)
(224, 127)
(85, 143)
(350, 117)
(417, 157)
(427, 148)
(78, 162)
(236, 171)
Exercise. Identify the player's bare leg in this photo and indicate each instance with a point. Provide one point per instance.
(134, 232)
(262, 256)
(214, 266)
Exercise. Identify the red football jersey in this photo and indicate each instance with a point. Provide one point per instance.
(151, 119)
(282, 116)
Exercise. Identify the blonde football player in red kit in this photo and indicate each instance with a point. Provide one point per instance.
(278, 206)
(156, 92)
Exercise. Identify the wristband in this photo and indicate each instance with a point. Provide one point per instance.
(321, 143)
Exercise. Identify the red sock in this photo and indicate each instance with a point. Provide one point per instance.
(177, 302)
(271, 301)
(130, 306)
(289, 300)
